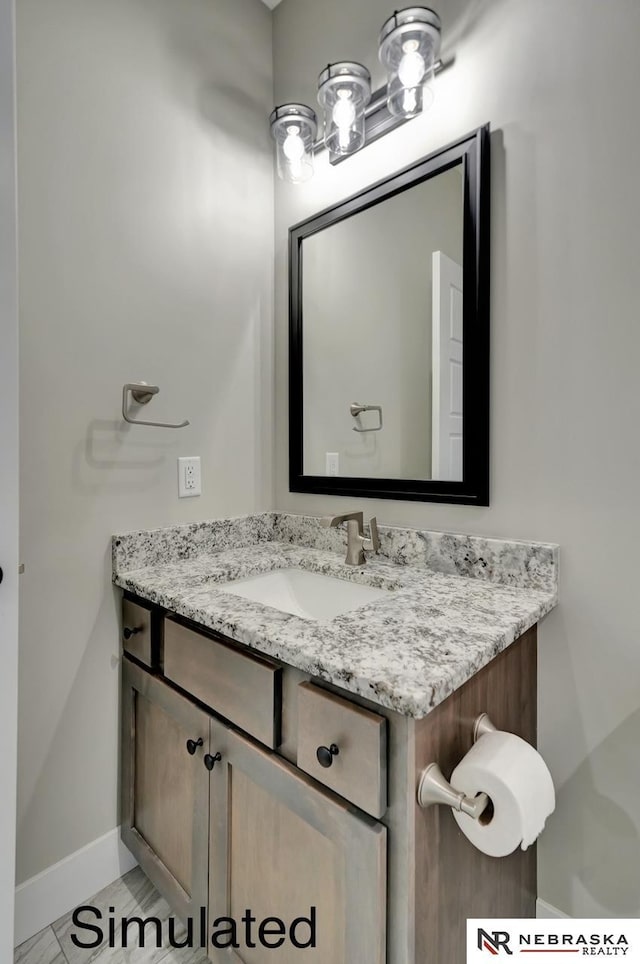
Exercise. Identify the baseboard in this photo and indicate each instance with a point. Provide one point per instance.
(57, 890)
(548, 911)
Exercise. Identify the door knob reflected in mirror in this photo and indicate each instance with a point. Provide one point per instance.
(20, 571)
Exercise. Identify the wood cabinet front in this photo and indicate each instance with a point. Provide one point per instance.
(343, 746)
(280, 847)
(137, 631)
(286, 869)
(165, 788)
(243, 687)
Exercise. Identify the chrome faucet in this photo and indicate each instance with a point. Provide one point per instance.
(356, 542)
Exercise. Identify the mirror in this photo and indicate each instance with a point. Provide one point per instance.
(389, 336)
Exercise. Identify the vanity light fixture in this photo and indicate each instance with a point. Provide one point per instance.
(344, 90)
(294, 128)
(408, 49)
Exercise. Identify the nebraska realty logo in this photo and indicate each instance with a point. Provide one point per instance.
(585, 938)
(494, 941)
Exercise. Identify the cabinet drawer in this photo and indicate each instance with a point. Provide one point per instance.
(358, 771)
(136, 632)
(244, 688)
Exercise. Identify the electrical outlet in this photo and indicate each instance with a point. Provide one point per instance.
(189, 479)
(332, 463)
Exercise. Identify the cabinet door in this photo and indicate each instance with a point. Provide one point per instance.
(279, 846)
(165, 788)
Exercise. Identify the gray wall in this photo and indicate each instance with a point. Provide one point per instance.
(146, 226)
(559, 83)
(8, 476)
(367, 290)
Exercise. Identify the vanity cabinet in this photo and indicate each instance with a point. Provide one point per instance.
(220, 822)
(248, 785)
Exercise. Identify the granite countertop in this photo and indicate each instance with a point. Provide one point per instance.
(408, 651)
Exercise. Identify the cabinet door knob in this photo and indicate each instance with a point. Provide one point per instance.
(128, 633)
(210, 761)
(325, 754)
(192, 745)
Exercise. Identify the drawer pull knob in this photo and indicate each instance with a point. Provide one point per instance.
(192, 745)
(210, 761)
(128, 633)
(325, 754)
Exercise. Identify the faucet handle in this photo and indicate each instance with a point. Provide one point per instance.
(335, 520)
(374, 537)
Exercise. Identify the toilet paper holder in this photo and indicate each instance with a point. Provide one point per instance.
(434, 788)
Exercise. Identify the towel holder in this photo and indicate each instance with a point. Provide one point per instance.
(434, 788)
(357, 409)
(142, 394)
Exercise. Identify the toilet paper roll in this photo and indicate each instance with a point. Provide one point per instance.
(517, 780)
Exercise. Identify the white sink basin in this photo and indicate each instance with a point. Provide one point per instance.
(310, 595)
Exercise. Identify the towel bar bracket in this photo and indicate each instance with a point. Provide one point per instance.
(356, 409)
(142, 394)
(143, 397)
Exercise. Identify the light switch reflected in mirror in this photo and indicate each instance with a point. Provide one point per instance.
(382, 308)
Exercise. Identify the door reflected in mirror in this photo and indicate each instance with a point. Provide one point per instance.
(383, 340)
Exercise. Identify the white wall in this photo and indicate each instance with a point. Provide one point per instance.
(8, 477)
(367, 308)
(559, 83)
(146, 220)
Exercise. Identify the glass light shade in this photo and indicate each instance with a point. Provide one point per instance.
(344, 90)
(409, 47)
(294, 128)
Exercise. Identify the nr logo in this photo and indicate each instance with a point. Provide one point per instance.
(494, 941)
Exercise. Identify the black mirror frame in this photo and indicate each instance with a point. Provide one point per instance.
(473, 151)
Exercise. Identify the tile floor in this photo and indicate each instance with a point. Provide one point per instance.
(131, 896)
